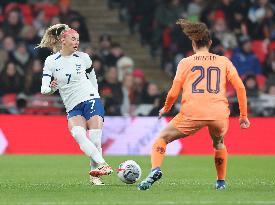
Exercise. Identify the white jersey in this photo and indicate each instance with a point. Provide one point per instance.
(70, 73)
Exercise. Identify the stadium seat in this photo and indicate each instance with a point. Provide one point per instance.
(260, 50)
(9, 100)
(27, 13)
(261, 81)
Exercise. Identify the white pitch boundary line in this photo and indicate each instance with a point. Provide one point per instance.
(142, 202)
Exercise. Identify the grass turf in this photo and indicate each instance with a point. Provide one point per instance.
(56, 179)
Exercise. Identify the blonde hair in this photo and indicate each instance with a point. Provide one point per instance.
(51, 38)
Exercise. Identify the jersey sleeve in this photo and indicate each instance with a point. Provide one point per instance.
(87, 60)
(92, 77)
(241, 95)
(46, 77)
(181, 72)
(230, 69)
(176, 86)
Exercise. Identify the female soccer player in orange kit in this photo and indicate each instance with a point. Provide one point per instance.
(202, 78)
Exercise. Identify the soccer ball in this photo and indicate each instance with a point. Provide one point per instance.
(129, 171)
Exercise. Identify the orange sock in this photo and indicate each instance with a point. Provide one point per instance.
(220, 163)
(158, 152)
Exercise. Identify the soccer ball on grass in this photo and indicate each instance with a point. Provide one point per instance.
(129, 171)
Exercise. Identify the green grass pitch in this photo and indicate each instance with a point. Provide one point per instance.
(57, 179)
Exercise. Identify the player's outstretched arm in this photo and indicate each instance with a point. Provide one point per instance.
(241, 95)
(171, 97)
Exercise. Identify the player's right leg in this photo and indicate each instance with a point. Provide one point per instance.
(77, 126)
(169, 134)
(217, 130)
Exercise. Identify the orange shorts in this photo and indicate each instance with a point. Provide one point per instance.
(216, 128)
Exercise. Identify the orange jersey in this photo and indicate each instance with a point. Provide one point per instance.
(202, 78)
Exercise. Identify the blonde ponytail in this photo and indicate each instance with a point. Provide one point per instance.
(51, 38)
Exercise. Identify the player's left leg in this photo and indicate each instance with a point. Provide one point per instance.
(95, 124)
(169, 134)
(217, 130)
(94, 113)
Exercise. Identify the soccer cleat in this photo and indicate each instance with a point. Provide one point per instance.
(101, 170)
(96, 181)
(220, 184)
(154, 176)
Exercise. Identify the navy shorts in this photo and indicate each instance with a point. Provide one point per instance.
(88, 109)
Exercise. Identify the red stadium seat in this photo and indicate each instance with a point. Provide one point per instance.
(27, 13)
(260, 50)
(49, 9)
(9, 100)
(261, 81)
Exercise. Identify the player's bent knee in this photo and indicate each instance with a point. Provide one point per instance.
(166, 138)
(218, 145)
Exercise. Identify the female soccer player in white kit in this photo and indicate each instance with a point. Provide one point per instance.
(77, 84)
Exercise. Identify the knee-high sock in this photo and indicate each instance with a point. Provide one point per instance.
(220, 163)
(158, 152)
(79, 134)
(94, 136)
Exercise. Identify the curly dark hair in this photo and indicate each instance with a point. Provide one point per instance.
(196, 31)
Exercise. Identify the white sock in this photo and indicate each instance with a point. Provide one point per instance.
(94, 136)
(79, 134)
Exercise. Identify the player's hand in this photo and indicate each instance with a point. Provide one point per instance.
(54, 84)
(45, 90)
(244, 123)
(161, 112)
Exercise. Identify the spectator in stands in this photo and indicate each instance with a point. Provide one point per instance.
(11, 80)
(9, 44)
(124, 65)
(239, 24)
(99, 68)
(33, 77)
(270, 68)
(29, 35)
(152, 93)
(267, 105)
(66, 13)
(257, 15)
(140, 18)
(221, 32)
(244, 59)
(116, 53)
(194, 9)
(252, 88)
(20, 56)
(165, 16)
(105, 41)
(2, 35)
(40, 23)
(12, 24)
(140, 85)
(111, 92)
(79, 25)
(128, 95)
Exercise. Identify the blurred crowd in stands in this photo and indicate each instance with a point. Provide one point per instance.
(242, 30)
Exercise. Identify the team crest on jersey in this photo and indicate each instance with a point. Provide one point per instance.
(78, 67)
